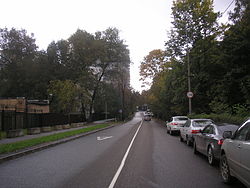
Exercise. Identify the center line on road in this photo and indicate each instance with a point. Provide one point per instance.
(124, 159)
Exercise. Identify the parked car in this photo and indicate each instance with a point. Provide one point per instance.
(235, 155)
(210, 139)
(192, 127)
(174, 124)
(147, 117)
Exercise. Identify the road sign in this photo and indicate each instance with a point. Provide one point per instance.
(190, 94)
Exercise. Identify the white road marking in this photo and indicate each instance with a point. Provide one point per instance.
(100, 138)
(124, 159)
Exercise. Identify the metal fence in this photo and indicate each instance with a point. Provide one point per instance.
(10, 120)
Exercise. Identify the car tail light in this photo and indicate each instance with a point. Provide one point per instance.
(220, 142)
(173, 123)
(195, 131)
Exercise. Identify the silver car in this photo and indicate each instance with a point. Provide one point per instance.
(235, 155)
(210, 139)
(192, 127)
(174, 124)
(147, 117)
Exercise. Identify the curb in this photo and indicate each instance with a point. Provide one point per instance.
(43, 146)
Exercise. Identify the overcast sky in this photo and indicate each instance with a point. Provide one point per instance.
(143, 24)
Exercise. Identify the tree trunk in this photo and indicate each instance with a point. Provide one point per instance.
(90, 119)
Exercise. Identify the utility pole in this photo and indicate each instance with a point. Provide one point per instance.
(189, 85)
(189, 94)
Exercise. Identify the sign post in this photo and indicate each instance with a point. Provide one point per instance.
(190, 96)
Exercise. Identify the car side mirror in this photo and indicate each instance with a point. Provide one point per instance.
(227, 134)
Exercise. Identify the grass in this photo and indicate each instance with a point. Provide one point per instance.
(10, 147)
(2, 134)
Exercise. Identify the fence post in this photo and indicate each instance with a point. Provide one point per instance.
(15, 119)
(41, 120)
(2, 121)
(2, 127)
(69, 120)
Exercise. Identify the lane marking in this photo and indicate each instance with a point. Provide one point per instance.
(100, 138)
(112, 184)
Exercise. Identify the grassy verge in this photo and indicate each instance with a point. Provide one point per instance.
(225, 118)
(2, 134)
(5, 148)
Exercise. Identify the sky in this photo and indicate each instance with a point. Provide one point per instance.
(143, 24)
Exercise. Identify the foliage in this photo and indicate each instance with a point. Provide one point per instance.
(64, 94)
(221, 118)
(193, 20)
(219, 63)
(152, 65)
(76, 70)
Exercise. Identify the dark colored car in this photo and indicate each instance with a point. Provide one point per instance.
(210, 139)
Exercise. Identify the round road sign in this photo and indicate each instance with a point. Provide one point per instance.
(190, 94)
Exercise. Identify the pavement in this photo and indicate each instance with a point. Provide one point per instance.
(19, 153)
(134, 154)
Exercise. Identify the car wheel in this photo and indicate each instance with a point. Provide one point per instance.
(181, 139)
(195, 149)
(210, 156)
(224, 170)
(167, 131)
(170, 132)
(188, 141)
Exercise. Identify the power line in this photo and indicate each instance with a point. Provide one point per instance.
(228, 6)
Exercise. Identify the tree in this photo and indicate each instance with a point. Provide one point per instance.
(193, 20)
(20, 70)
(152, 65)
(235, 49)
(65, 95)
(111, 54)
(193, 36)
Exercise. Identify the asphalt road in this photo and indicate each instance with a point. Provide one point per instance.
(154, 159)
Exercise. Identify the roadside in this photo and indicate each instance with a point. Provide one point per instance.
(13, 148)
(27, 136)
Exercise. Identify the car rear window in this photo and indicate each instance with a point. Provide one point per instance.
(201, 123)
(180, 119)
(223, 128)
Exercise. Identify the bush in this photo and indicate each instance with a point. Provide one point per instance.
(221, 118)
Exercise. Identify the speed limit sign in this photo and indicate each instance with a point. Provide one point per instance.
(190, 94)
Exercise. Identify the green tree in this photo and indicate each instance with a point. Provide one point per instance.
(20, 72)
(235, 49)
(65, 96)
(193, 36)
(193, 20)
(112, 56)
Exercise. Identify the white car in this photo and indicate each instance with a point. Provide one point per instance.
(235, 155)
(147, 117)
(192, 127)
(174, 124)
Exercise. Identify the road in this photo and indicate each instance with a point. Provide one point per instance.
(151, 159)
